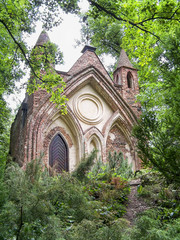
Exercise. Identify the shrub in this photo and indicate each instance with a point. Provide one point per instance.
(116, 166)
(84, 166)
(148, 226)
(91, 230)
(38, 206)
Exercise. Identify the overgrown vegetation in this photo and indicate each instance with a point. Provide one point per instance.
(162, 221)
(34, 205)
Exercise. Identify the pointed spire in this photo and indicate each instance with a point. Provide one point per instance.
(124, 60)
(43, 38)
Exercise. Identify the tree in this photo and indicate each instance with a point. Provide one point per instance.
(149, 32)
(158, 129)
(142, 23)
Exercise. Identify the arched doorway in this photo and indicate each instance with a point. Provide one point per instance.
(58, 154)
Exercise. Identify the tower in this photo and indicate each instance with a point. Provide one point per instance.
(126, 81)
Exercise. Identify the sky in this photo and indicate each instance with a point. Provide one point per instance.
(65, 36)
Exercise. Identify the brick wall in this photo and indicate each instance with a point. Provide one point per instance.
(116, 141)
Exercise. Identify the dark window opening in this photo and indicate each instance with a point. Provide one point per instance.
(118, 79)
(129, 80)
(58, 154)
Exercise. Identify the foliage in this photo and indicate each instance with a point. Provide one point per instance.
(38, 206)
(148, 226)
(4, 134)
(25, 211)
(105, 185)
(43, 59)
(141, 25)
(155, 191)
(116, 166)
(90, 230)
(158, 144)
(158, 130)
(35, 205)
(18, 18)
(162, 220)
(106, 37)
(84, 166)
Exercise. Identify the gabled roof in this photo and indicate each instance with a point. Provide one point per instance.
(43, 38)
(124, 60)
(88, 59)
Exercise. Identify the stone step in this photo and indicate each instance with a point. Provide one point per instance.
(135, 182)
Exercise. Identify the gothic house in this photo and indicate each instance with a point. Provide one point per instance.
(101, 114)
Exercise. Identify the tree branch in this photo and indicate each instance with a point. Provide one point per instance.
(101, 8)
(20, 47)
(163, 18)
(22, 51)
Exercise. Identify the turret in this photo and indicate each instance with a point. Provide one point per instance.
(126, 81)
(44, 47)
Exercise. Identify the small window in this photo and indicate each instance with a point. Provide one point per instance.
(129, 80)
(118, 79)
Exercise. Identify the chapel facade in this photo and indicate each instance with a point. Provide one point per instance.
(101, 114)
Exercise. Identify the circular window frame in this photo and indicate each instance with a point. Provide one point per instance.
(89, 120)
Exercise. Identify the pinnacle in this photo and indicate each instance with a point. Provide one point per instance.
(43, 38)
(124, 60)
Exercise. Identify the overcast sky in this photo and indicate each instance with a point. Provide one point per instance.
(65, 36)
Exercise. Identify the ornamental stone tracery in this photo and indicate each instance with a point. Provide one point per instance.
(89, 109)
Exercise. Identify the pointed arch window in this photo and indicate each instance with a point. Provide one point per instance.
(129, 80)
(118, 79)
(95, 144)
(58, 154)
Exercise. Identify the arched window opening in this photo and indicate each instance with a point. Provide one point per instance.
(58, 154)
(93, 146)
(118, 79)
(129, 80)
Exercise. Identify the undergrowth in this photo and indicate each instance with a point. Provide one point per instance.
(87, 204)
